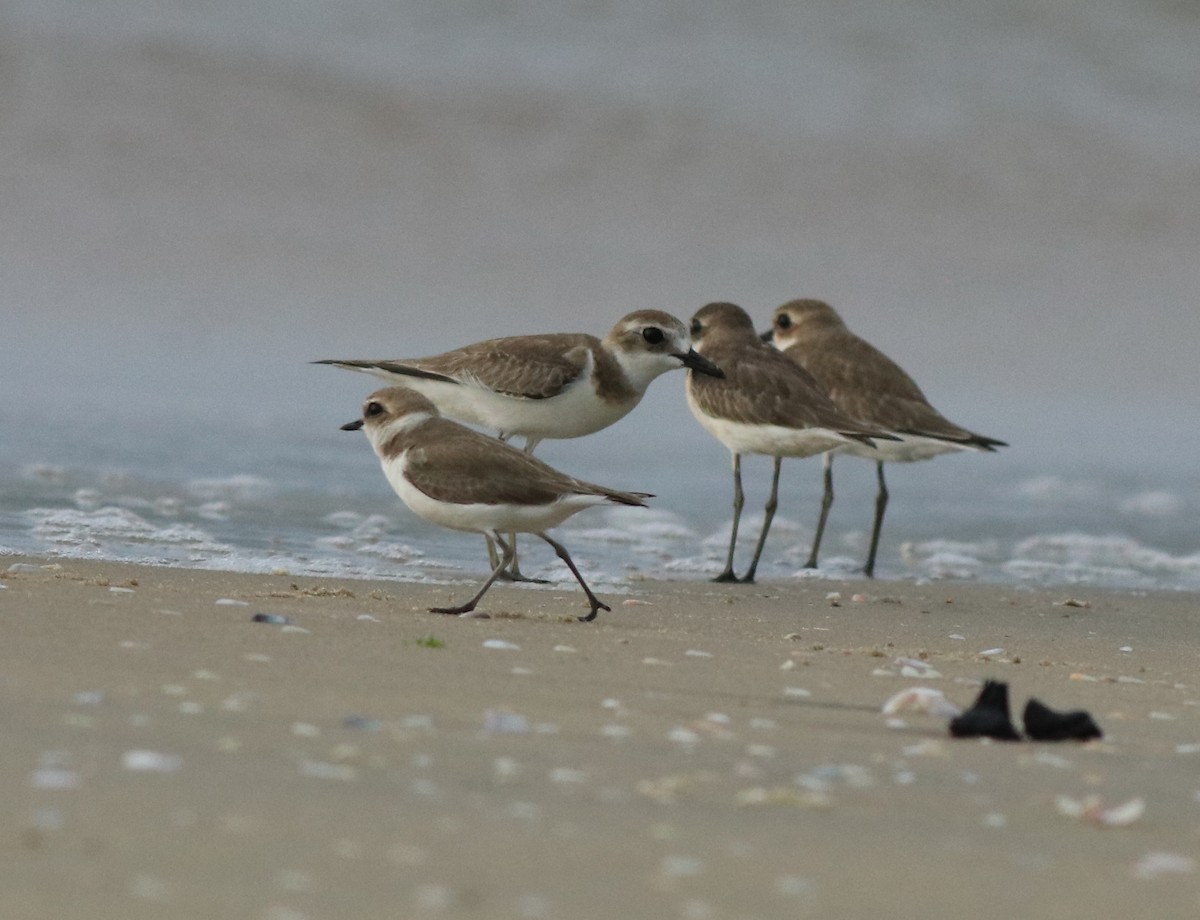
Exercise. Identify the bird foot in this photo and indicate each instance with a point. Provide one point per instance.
(596, 608)
(518, 576)
(465, 608)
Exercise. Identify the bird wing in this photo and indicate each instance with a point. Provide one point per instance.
(762, 386)
(456, 464)
(867, 384)
(528, 367)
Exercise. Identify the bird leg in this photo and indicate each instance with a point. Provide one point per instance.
(768, 516)
(826, 503)
(739, 499)
(881, 501)
(493, 556)
(597, 605)
(505, 559)
(513, 572)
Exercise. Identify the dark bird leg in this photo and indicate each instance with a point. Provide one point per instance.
(597, 605)
(826, 504)
(513, 572)
(505, 559)
(739, 499)
(881, 501)
(768, 516)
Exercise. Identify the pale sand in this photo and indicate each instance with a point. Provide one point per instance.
(653, 772)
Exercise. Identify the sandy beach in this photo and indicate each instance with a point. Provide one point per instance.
(702, 751)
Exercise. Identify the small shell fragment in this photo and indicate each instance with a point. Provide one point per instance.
(922, 699)
(1091, 810)
(1191, 748)
(1152, 865)
(500, 644)
(150, 761)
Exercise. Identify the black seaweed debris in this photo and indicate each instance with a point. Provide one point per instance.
(988, 716)
(1045, 724)
(272, 618)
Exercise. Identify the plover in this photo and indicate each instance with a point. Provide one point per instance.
(866, 383)
(459, 478)
(559, 385)
(765, 404)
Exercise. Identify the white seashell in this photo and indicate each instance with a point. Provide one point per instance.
(991, 652)
(719, 718)
(923, 699)
(567, 776)
(503, 722)
(500, 644)
(54, 778)
(1192, 748)
(1091, 809)
(150, 761)
(1152, 865)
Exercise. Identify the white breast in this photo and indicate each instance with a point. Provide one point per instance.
(772, 440)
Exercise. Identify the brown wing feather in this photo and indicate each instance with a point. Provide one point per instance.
(867, 384)
(456, 464)
(532, 367)
(763, 386)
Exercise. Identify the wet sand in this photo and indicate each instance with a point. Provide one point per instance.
(702, 751)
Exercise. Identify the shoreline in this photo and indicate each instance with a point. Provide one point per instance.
(700, 751)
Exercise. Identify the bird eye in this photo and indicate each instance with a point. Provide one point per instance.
(696, 327)
(653, 335)
(783, 321)
(373, 409)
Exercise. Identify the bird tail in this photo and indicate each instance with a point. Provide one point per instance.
(636, 499)
(395, 368)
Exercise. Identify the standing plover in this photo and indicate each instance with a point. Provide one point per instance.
(765, 404)
(866, 383)
(456, 477)
(559, 385)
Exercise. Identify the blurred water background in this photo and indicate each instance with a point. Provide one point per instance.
(200, 196)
